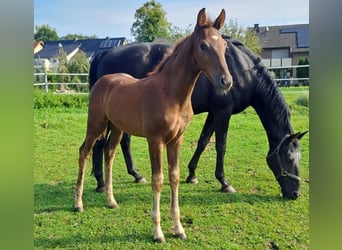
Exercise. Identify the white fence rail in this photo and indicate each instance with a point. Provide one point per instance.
(46, 83)
(290, 80)
(286, 81)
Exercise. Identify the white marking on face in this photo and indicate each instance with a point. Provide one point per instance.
(214, 37)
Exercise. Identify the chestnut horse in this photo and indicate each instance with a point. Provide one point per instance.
(157, 107)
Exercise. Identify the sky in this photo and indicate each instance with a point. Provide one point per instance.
(114, 18)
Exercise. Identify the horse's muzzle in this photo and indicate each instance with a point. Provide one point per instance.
(225, 82)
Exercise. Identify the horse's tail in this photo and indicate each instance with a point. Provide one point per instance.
(93, 77)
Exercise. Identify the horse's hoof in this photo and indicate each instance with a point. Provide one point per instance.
(192, 180)
(78, 209)
(228, 189)
(140, 180)
(99, 189)
(112, 206)
(181, 236)
(159, 240)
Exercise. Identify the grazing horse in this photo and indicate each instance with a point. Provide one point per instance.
(253, 86)
(157, 107)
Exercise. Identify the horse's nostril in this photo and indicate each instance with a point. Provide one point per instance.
(295, 194)
(226, 83)
(223, 81)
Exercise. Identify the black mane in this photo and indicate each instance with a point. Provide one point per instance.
(268, 102)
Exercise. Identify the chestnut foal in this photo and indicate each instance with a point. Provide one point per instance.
(157, 107)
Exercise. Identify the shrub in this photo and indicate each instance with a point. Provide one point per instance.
(303, 100)
(51, 100)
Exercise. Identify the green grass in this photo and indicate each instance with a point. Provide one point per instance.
(255, 217)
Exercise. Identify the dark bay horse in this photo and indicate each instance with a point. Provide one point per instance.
(253, 86)
(157, 107)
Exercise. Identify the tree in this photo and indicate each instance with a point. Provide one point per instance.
(77, 36)
(62, 68)
(150, 22)
(231, 28)
(304, 71)
(79, 63)
(245, 35)
(45, 33)
(178, 32)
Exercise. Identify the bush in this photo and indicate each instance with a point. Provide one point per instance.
(303, 100)
(51, 100)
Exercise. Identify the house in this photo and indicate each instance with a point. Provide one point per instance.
(46, 58)
(37, 46)
(283, 46)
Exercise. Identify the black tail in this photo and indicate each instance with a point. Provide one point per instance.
(93, 77)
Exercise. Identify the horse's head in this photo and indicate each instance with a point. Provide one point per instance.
(210, 50)
(284, 163)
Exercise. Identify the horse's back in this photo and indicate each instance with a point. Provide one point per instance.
(136, 59)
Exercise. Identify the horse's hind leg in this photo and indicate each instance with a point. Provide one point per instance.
(207, 132)
(98, 163)
(126, 150)
(109, 153)
(84, 152)
(222, 124)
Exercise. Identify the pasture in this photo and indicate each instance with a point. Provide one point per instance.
(255, 217)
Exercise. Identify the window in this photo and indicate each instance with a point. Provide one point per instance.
(280, 53)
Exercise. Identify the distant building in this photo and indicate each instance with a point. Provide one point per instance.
(283, 45)
(46, 53)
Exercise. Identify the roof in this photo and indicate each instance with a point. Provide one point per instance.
(88, 46)
(37, 46)
(294, 36)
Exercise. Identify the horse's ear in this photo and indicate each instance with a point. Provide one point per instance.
(220, 20)
(300, 135)
(201, 18)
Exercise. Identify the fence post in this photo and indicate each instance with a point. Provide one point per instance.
(46, 82)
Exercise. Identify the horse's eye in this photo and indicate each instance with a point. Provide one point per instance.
(203, 46)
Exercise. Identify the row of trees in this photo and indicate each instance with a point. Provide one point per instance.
(150, 23)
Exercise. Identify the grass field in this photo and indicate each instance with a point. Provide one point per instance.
(255, 217)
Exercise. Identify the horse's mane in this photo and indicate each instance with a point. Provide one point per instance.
(167, 55)
(267, 88)
(208, 23)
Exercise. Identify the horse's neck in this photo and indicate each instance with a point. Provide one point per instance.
(181, 73)
(273, 113)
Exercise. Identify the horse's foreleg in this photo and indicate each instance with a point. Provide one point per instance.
(172, 157)
(109, 153)
(207, 132)
(155, 151)
(126, 150)
(221, 130)
(84, 154)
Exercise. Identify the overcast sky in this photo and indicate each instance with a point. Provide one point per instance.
(114, 18)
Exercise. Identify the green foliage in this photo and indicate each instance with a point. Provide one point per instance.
(150, 22)
(77, 36)
(178, 32)
(79, 64)
(303, 72)
(230, 28)
(253, 218)
(50, 100)
(45, 33)
(246, 36)
(303, 100)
